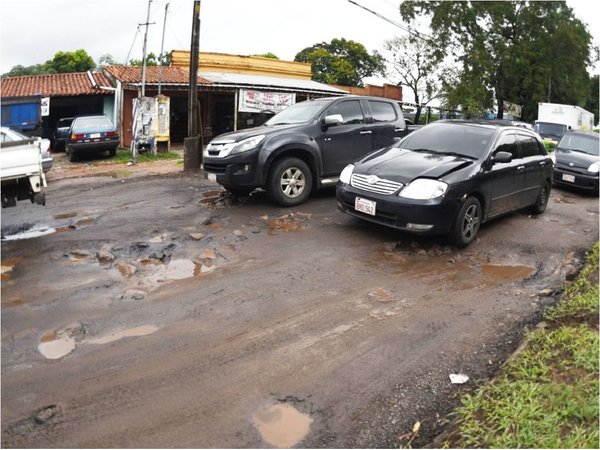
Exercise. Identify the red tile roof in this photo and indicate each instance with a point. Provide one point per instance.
(55, 85)
(168, 75)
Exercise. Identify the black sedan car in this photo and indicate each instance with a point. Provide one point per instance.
(577, 161)
(91, 134)
(448, 178)
(61, 132)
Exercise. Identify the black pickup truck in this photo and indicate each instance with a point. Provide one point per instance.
(304, 147)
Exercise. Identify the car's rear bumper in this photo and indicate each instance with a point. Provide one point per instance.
(94, 146)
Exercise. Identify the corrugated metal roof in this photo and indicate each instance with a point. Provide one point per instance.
(239, 80)
(55, 85)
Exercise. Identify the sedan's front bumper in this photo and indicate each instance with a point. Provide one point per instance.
(416, 216)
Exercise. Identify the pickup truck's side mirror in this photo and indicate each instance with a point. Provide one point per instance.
(334, 119)
(502, 157)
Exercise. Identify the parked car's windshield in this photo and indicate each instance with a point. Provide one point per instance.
(580, 143)
(451, 138)
(298, 113)
(92, 124)
(550, 129)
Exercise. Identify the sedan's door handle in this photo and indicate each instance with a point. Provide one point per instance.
(521, 168)
(366, 132)
(542, 163)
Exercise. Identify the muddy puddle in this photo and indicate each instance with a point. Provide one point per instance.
(8, 265)
(59, 343)
(34, 232)
(507, 273)
(144, 330)
(281, 425)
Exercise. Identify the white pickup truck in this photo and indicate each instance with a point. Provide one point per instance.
(21, 172)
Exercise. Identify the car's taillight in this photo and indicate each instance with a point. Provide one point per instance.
(77, 137)
(111, 133)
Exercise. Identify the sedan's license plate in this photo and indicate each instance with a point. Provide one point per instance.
(94, 135)
(365, 206)
(211, 177)
(569, 178)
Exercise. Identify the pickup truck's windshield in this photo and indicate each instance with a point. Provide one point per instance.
(299, 113)
(556, 130)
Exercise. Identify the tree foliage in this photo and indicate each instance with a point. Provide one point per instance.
(163, 59)
(63, 62)
(341, 61)
(523, 52)
(268, 55)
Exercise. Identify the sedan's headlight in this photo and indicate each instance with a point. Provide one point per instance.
(594, 167)
(424, 189)
(247, 144)
(346, 174)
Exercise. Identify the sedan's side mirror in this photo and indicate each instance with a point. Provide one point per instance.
(502, 157)
(334, 119)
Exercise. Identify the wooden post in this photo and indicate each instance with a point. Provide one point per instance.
(192, 143)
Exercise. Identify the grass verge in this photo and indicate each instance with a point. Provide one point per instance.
(547, 395)
(124, 156)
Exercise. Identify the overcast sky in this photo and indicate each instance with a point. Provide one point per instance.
(32, 31)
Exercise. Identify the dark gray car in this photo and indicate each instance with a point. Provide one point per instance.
(577, 161)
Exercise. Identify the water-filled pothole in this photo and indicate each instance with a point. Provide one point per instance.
(281, 425)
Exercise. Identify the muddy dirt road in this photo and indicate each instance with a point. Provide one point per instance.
(153, 311)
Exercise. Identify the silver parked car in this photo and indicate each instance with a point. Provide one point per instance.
(10, 135)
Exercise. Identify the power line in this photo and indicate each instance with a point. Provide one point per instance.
(393, 22)
(132, 44)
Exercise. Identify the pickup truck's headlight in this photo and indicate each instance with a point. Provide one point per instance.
(424, 189)
(594, 167)
(346, 174)
(247, 144)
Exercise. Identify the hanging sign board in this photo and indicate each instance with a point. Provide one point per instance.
(45, 106)
(258, 101)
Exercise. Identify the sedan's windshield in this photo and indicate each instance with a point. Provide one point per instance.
(456, 139)
(580, 143)
(299, 113)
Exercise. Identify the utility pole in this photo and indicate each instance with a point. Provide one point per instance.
(192, 159)
(162, 45)
(145, 44)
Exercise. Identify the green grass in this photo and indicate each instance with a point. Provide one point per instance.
(547, 396)
(124, 156)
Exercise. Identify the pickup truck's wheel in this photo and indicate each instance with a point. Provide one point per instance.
(290, 182)
(467, 223)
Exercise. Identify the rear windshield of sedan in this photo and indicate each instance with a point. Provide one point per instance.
(467, 140)
(92, 124)
(580, 143)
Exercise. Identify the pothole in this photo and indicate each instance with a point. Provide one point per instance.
(281, 425)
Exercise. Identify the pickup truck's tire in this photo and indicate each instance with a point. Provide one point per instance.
(289, 182)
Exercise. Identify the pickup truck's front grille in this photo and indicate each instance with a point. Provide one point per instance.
(372, 183)
(215, 168)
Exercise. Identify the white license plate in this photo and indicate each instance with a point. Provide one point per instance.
(569, 178)
(365, 206)
(94, 135)
(211, 177)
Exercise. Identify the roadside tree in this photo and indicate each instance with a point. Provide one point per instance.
(522, 52)
(342, 61)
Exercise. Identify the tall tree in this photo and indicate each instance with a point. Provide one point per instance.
(523, 52)
(341, 61)
(77, 61)
(416, 64)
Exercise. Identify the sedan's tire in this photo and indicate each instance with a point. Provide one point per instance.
(542, 200)
(290, 182)
(467, 223)
(112, 152)
(71, 153)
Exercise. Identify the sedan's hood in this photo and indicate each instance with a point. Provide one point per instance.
(237, 136)
(403, 166)
(575, 159)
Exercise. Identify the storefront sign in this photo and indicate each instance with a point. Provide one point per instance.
(45, 106)
(258, 101)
